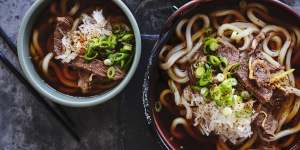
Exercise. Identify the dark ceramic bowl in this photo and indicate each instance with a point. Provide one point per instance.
(159, 123)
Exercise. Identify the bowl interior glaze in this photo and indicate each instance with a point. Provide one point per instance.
(154, 82)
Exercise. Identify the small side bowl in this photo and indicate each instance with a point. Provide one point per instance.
(46, 90)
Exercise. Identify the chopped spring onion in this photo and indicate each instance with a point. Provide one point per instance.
(98, 46)
(226, 85)
(210, 44)
(88, 56)
(207, 31)
(230, 81)
(196, 88)
(118, 57)
(228, 100)
(220, 77)
(206, 78)
(224, 63)
(111, 72)
(127, 37)
(126, 48)
(245, 94)
(200, 71)
(237, 98)
(204, 91)
(216, 94)
(108, 62)
(214, 60)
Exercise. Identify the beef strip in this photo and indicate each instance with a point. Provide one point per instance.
(228, 51)
(263, 94)
(277, 98)
(261, 72)
(97, 67)
(63, 25)
(266, 122)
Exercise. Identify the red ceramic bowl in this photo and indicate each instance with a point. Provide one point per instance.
(159, 123)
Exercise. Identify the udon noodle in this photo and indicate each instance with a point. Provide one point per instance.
(229, 74)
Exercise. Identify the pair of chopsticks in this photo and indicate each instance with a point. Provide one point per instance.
(60, 116)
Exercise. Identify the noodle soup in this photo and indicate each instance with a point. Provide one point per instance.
(82, 48)
(227, 80)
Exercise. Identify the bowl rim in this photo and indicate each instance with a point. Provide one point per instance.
(149, 117)
(49, 92)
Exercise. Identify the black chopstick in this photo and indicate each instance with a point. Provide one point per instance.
(10, 66)
(57, 115)
(12, 46)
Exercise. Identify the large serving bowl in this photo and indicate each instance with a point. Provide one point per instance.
(47, 91)
(154, 81)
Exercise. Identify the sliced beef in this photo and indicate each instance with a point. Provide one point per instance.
(261, 73)
(259, 55)
(95, 66)
(266, 122)
(263, 94)
(228, 51)
(277, 98)
(63, 25)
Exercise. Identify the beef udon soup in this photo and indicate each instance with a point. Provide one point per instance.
(82, 47)
(230, 81)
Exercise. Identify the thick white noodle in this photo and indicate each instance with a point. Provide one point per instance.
(175, 49)
(239, 31)
(253, 18)
(179, 29)
(271, 60)
(227, 26)
(74, 9)
(46, 61)
(297, 33)
(176, 78)
(163, 51)
(175, 91)
(266, 48)
(188, 34)
(288, 59)
(172, 60)
(191, 53)
(178, 75)
(286, 45)
(258, 9)
(247, 42)
(222, 13)
(244, 25)
(179, 72)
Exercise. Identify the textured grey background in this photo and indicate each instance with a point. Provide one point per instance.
(117, 124)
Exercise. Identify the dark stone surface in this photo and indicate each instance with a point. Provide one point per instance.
(117, 124)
